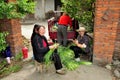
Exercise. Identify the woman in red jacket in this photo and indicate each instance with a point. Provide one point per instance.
(63, 23)
(41, 47)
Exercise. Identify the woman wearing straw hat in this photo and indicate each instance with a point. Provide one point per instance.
(81, 43)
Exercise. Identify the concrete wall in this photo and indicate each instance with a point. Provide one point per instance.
(40, 10)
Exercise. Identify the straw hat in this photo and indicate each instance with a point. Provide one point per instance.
(81, 29)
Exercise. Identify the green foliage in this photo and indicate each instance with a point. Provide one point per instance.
(67, 58)
(17, 9)
(3, 43)
(47, 57)
(2, 63)
(8, 70)
(82, 10)
(85, 63)
(18, 56)
(65, 53)
(15, 66)
(71, 64)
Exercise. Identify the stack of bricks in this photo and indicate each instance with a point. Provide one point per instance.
(14, 39)
(106, 30)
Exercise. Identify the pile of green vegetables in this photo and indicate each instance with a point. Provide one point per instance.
(67, 58)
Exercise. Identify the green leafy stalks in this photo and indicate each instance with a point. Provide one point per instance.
(65, 53)
(67, 58)
(47, 57)
(85, 63)
(71, 64)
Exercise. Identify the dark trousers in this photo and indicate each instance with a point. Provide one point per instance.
(62, 35)
(54, 57)
(77, 51)
(57, 61)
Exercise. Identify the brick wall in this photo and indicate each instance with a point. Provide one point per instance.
(14, 39)
(106, 31)
(116, 55)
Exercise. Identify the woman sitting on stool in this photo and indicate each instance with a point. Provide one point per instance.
(40, 48)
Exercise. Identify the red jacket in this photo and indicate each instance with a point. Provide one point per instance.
(65, 20)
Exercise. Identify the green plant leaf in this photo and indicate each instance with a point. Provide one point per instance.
(3, 43)
(16, 10)
(81, 10)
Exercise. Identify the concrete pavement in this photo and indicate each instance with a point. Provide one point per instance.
(84, 72)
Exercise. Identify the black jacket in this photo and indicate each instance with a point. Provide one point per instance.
(38, 49)
(85, 40)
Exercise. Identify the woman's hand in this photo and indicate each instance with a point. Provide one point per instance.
(54, 46)
(51, 47)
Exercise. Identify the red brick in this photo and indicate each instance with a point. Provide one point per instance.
(105, 31)
(15, 37)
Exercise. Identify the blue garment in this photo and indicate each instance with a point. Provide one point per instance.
(8, 51)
